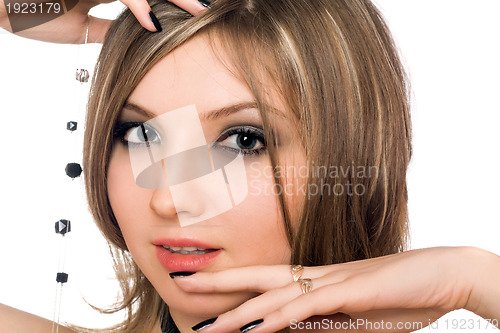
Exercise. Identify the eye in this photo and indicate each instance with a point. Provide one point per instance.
(247, 140)
(141, 134)
(136, 134)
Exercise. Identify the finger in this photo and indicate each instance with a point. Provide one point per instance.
(297, 310)
(141, 10)
(254, 308)
(195, 7)
(258, 307)
(354, 295)
(251, 278)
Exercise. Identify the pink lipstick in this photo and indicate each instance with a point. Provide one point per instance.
(185, 254)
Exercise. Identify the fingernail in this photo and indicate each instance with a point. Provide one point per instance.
(203, 324)
(155, 21)
(205, 3)
(251, 325)
(180, 274)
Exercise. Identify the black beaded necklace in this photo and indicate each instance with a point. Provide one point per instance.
(63, 226)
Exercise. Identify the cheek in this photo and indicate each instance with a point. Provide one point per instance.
(118, 181)
(127, 200)
(256, 224)
(291, 184)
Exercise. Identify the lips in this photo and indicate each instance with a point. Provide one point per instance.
(188, 249)
(185, 254)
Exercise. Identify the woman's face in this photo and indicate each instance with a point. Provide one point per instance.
(251, 232)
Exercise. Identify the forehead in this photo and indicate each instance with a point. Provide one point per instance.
(191, 74)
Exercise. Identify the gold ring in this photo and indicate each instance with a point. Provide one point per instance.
(305, 285)
(297, 271)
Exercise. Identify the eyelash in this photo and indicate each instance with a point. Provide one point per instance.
(251, 130)
(121, 129)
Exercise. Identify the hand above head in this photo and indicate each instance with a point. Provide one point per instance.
(141, 10)
(70, 27)
(409, 288)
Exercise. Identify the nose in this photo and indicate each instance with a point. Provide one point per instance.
(192, 201)
(163, 204)
(168, 206)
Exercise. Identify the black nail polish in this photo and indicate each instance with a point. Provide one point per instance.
(203, 324)
(205, 3)
(251, 325)
(180, 274)
(155, 21)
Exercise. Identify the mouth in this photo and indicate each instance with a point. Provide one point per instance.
(188, 249)
(185, 254)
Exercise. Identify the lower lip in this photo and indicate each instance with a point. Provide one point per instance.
(176, 262)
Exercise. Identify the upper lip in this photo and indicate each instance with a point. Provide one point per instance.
(183, 242)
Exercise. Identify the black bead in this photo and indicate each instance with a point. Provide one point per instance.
(62, 277)
(63, 226)
(71, 126)
(73, 170)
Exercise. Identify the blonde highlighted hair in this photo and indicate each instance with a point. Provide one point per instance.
(334, 64)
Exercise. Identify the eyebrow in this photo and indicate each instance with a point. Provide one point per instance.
(211, 115)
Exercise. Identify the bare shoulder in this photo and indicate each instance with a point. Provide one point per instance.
(17, 321)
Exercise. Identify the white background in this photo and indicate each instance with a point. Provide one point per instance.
(451, 48)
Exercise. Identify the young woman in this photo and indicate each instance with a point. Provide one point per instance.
(315, 101)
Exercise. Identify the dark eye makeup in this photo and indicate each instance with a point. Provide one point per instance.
(245, 139)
